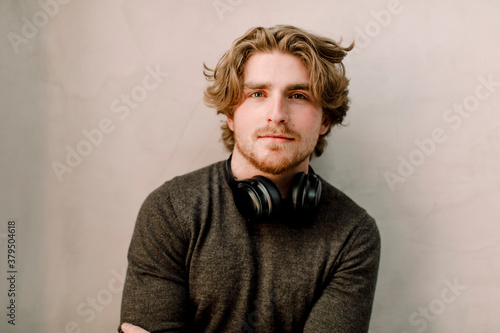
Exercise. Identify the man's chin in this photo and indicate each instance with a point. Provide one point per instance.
(273, 159)
(275, 164)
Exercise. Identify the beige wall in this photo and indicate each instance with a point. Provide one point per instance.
(421, 152)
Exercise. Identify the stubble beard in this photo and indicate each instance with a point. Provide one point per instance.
(280, 158)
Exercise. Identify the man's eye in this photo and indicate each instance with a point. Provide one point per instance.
(298, 96)
(257, 94)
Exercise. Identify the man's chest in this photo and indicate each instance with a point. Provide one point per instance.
(270, 272)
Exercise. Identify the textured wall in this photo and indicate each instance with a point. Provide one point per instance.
(101, 102)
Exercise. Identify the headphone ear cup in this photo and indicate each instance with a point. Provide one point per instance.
(297, 191)
(257, 198)
(305, 192)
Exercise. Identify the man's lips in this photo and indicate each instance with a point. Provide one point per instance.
(275, 139)
(274, 136)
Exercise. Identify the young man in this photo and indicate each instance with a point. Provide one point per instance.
(259, 243)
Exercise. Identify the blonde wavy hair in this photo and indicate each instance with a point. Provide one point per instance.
(322, 56)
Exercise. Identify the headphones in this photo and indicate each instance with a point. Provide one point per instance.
(258, 198)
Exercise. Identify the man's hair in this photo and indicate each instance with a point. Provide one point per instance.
(322, 57)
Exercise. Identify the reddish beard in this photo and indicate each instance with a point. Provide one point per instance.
(288, 155)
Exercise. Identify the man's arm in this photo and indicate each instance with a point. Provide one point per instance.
(346, 303)
(155, 295)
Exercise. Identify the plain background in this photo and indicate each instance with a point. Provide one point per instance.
(421, 151)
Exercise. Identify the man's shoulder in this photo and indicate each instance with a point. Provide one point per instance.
(184, 200)
(347, 218)
(192, 183)
(341, 205)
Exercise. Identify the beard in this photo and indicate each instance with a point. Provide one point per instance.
(275, 158)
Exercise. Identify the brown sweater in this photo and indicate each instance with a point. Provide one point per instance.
(195, 265)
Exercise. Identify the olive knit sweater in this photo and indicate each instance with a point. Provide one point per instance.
(196, 265)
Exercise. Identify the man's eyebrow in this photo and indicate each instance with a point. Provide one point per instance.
(256, 85)
(267, 85)
(299, 86)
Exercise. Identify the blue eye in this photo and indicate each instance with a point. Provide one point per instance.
(257, 94)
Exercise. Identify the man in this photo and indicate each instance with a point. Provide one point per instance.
(259, 243)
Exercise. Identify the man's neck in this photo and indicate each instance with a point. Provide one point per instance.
(243, 169)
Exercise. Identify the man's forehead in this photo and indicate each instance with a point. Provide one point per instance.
(275, 68)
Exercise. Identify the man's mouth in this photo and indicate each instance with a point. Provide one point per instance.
(275, 137)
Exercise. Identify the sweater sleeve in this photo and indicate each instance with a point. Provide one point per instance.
(155, 295)
(345, 304)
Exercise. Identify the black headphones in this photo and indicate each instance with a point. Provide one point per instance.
(258, 198)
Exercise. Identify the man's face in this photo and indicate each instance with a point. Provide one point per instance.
(277, 125)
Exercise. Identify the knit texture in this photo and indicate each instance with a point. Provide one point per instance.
(196, 265)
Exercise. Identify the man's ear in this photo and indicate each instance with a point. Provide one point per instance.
(230, 123)
(325, 125)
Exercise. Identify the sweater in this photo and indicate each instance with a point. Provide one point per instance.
(196, 265)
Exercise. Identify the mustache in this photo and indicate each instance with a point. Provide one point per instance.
(281, 130)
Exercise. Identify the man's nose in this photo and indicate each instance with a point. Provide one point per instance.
(278, 111)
